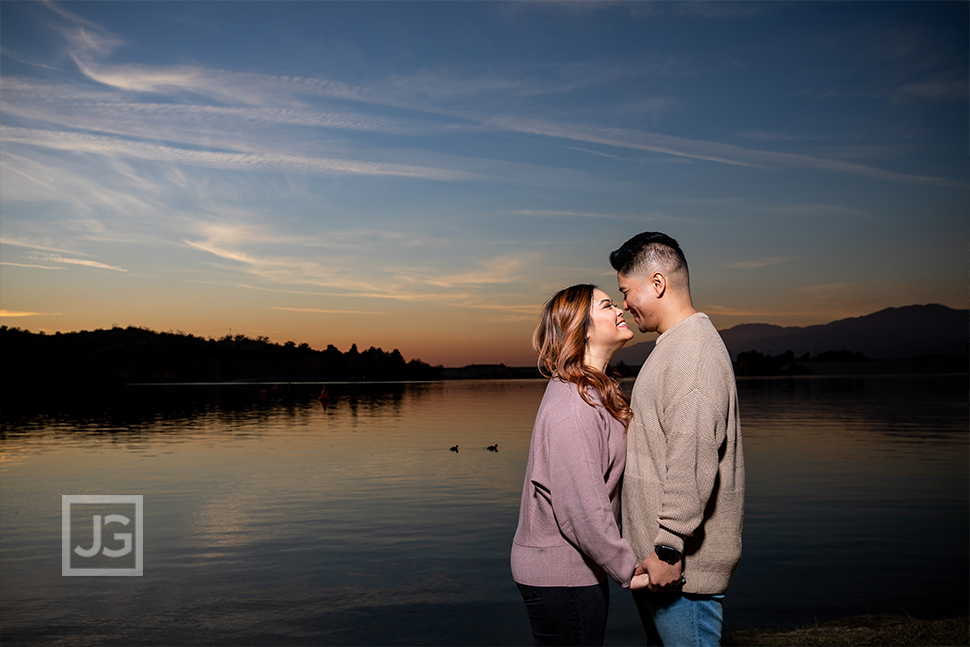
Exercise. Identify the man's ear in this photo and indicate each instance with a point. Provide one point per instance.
(658, 283)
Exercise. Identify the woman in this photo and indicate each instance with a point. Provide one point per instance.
(568, 538)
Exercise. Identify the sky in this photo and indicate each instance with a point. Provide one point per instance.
(422, 176)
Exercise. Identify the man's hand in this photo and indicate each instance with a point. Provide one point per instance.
(661, 574)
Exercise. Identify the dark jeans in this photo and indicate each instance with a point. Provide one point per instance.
(567, 615)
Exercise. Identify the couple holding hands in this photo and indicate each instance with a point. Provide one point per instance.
(671, 452)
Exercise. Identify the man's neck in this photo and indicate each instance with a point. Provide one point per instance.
(675, 317)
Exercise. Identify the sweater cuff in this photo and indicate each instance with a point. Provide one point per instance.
(668, 538)
(629, 578)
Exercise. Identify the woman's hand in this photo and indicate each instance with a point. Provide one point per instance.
(639, 582)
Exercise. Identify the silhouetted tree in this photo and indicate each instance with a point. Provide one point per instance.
(121, 355)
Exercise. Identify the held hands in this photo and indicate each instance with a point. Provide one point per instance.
(641, 581)
(660, 575)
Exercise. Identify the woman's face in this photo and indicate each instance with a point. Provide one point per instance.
(607, 326)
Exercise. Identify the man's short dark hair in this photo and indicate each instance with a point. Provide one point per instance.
(645, 249)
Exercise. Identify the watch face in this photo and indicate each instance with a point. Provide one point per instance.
(668, 554)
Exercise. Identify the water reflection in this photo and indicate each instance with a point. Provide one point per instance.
(158, 409)
(272, 519)
(845, 477)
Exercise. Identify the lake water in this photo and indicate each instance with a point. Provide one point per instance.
(277, 521)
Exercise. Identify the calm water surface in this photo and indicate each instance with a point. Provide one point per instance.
(277, 520)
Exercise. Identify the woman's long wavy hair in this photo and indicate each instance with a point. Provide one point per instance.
(560, 340)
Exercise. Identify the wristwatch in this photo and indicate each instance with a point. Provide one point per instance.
(667, 554)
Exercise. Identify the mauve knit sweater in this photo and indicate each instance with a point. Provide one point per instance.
(568, 532)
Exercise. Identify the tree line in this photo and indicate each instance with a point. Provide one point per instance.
(753, 363)
(126, 355)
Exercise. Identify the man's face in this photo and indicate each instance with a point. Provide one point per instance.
(638, 301)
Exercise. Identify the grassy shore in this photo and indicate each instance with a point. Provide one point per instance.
(862, 630)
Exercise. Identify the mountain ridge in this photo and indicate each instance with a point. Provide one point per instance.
(901, 332)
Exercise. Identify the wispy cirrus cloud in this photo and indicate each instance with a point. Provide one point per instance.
(592, 215)
(239, 228)
(110, 146)
(934, 90)
(277, 100)
(271, 260)
(808, 210)
(767, 135)
(280, 262)
(762, 262)
(44, 244)
(16, 313)
(837, 290)
(284, 99)
(89, 43)
(709, 151)
(85, 108)
(31, 266)
(245, 88)
(535, 213)
(504, 311)
(328, 311)
(52, 258)
(500, 270)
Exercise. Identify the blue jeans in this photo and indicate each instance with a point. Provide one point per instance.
(567, 615)
(674, 619)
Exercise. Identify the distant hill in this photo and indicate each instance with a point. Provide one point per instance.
(893, 333)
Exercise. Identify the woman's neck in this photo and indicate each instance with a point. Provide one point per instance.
(597, 359)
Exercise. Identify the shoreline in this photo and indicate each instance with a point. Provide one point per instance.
(856, 631)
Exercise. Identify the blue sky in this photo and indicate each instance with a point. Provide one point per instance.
(423, 176)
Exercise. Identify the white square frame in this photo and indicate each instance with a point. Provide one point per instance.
(67, 500)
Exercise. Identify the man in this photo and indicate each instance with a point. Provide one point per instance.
(683, 489)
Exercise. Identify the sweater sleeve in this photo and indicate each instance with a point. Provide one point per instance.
(578, 452)
(691, 430)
